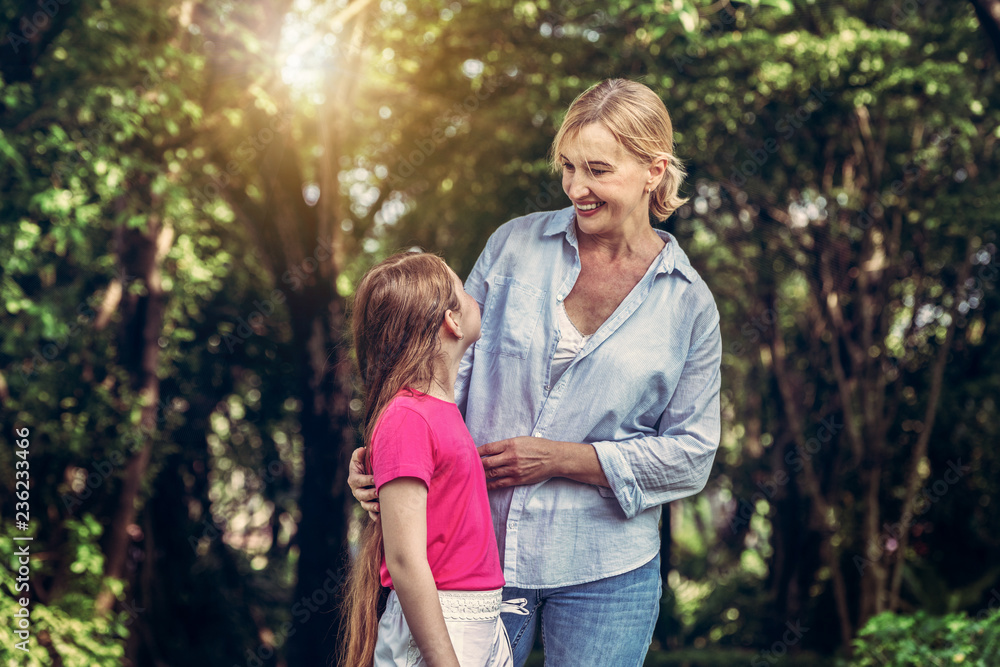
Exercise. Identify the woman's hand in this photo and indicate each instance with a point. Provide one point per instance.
(362, 485)
(517, 461)
(529, 460)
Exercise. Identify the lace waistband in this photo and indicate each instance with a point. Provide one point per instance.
(479, 605)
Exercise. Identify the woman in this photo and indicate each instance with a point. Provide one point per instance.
(594, 386)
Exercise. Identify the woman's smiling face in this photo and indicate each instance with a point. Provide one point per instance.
(604, 182)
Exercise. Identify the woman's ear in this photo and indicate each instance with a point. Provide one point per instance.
(657, 171)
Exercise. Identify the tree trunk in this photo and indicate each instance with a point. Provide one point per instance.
(328, 441)
(306, 241)
(141, 253)
(988, 12)
(913, 479)
(302, 257)
(823, 516)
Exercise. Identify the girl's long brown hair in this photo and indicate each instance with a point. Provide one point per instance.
(397, 311)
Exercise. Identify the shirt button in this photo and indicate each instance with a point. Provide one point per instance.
(546, 388)
(510, 525)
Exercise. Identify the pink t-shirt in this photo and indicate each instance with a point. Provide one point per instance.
(425, 437)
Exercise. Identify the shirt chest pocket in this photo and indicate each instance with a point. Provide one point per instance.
(510, 316)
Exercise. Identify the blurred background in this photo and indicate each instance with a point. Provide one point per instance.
(190, 189)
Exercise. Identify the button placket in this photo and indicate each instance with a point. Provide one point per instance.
(510, 546)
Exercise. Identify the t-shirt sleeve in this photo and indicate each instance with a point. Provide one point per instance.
(402, 446)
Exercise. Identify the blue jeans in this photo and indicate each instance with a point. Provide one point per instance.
(603, 623)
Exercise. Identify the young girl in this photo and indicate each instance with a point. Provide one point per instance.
(434, 545)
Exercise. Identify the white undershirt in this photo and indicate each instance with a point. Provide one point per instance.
(571, 341)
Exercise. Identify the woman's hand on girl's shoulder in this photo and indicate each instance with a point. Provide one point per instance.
(362, 485)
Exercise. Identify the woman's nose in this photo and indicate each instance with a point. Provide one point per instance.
(575, 188)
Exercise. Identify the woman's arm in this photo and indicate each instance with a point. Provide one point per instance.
(404, 534)
(641, 472)
(529, 460)
(652, 470)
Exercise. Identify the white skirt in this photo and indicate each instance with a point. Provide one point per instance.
(474, 625)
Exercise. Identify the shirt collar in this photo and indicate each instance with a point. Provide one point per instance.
(671, 257)
(559, 222)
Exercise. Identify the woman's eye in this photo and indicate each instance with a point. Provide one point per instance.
(598, 172)
(567, 165)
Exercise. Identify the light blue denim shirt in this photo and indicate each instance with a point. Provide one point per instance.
(644, 391)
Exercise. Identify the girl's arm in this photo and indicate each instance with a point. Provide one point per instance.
(404, 533)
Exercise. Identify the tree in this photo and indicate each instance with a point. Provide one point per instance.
(191, 190)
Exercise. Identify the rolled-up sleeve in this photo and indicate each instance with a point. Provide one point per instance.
(647, 471)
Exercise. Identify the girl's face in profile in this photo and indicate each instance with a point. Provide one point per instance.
(604, 182)
(469, 315)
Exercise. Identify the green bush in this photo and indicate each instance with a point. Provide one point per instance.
(65, 631)
(922, 639)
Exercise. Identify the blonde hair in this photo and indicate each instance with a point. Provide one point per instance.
(639, 121)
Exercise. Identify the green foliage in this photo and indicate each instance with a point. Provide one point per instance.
(142, 109)
(106, 132)
(65, 630)
(897, 640)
